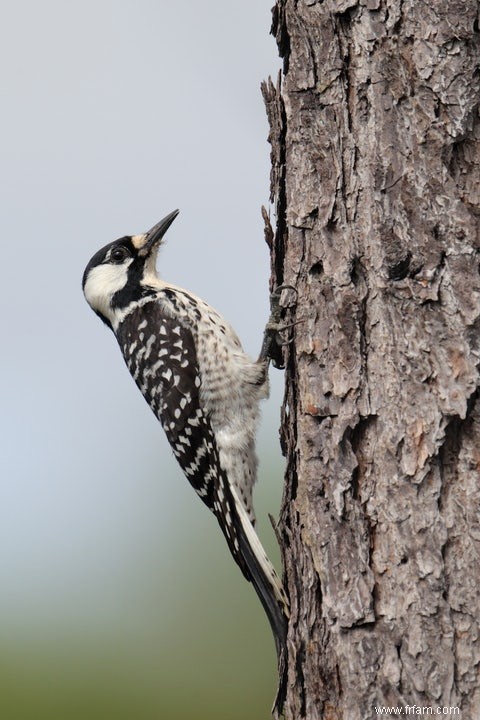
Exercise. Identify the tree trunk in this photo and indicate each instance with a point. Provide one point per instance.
(375, 139)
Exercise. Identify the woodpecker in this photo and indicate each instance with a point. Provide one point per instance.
(191, 369)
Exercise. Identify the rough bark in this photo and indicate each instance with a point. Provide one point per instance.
(375, 137)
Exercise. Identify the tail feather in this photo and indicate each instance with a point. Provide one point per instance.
(265, 580)
(250, 555)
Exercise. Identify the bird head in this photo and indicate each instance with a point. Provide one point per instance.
(121, 272)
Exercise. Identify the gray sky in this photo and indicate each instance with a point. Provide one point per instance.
(113, 114)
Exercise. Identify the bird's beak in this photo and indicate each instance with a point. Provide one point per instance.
(145, 243)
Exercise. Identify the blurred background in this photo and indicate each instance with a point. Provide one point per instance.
(118, 598)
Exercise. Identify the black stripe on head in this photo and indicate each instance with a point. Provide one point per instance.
(133, 290)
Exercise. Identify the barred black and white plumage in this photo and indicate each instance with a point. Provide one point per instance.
(190, 367)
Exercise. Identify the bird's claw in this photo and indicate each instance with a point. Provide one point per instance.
(271, 344)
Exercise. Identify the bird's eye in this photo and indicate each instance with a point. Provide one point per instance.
(118, 255)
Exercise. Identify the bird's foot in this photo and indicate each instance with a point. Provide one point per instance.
(272, 335)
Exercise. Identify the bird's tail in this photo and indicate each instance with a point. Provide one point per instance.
(250, 555)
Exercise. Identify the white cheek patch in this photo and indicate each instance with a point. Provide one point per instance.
(102, 283)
